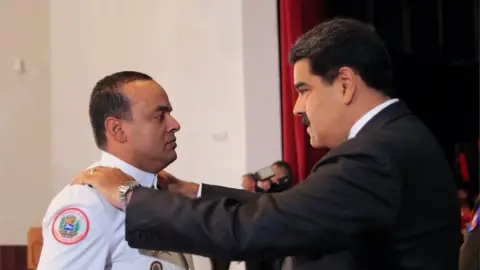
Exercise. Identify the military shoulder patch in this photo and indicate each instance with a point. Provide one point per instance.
(70, 226)
(475, 220)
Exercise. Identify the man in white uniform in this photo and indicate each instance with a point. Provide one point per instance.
(132, 124)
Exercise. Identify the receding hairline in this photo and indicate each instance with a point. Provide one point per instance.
(124, 84)
(128, 90)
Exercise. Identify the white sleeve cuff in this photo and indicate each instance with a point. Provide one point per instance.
(199, 193)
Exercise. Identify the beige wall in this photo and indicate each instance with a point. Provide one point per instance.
(217, 59)
(25, 182)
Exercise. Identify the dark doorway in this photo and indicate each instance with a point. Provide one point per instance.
(434, 48)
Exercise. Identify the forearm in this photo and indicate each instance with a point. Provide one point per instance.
(319, 215)
(193, 190)
(204, 227)
(218, 192)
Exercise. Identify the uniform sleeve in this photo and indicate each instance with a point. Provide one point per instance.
(75, 232)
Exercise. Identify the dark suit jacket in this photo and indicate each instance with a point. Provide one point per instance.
(386, 199)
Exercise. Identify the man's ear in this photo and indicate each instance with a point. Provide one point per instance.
(114, 130)
(346, 79)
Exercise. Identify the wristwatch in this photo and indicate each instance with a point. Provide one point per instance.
(123, 190)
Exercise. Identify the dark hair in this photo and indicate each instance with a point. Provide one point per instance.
(107, 100)
(346, 42)
(284, 165)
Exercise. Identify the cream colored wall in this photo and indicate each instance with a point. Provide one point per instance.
(25, 127)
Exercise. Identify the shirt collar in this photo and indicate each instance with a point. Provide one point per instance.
(368, 116)
(145, 179)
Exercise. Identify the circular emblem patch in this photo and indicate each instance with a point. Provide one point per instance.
(156, 265)
(70, 226)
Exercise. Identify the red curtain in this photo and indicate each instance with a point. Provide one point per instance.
(295, 18)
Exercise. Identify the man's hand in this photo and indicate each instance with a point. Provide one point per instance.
(177, 186)
(106, 181)
(165, 179)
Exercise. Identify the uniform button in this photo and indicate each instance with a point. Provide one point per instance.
(156, 265)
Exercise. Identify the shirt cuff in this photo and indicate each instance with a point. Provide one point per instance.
(199, 193)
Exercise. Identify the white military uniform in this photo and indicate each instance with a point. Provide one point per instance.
(82, 231)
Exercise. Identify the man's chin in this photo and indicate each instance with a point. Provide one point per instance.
(316, 143)
(172, 156)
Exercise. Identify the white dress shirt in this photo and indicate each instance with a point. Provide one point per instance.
(367, 117)
(83, 231)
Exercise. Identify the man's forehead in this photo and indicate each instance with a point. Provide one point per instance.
(146, 92)
(301, 71)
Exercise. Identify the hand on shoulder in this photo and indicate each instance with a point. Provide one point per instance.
(177, 186)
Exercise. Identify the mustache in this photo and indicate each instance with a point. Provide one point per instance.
(305, 121)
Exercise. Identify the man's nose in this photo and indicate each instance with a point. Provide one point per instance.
(174, 125)
(299, 108)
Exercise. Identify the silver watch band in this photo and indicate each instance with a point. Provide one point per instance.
(123, 190)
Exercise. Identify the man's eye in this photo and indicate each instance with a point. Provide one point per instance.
(302, 91)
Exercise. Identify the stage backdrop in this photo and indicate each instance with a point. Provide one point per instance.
(296, 17)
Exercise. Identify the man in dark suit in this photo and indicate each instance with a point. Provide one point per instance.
(363, 205)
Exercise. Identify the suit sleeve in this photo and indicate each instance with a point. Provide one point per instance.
(218, 192)
(345, 196)
(75, 232)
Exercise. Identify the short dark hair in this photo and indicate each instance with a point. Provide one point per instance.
(249, 175)
(107, 100)
(346, 42)
(284, 165)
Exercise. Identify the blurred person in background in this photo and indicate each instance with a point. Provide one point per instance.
(249, 183)
(280, 181)
(282, 178)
